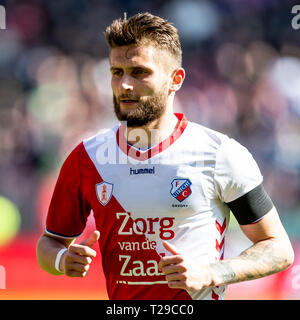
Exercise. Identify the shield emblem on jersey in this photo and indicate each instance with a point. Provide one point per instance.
(181, 189)
(104, 192)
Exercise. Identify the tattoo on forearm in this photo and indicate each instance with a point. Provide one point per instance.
(224, 272)
(263, 260)
(257, 261)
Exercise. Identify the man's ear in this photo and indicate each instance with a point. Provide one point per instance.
(177, 76)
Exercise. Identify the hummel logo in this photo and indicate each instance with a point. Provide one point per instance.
(142, 171)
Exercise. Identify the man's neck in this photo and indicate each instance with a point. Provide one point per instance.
(153, 133)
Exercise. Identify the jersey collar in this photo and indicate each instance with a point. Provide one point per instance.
(143, 155)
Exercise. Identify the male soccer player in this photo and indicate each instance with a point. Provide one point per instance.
(160, 187)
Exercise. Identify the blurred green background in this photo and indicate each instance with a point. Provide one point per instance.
(242, 60)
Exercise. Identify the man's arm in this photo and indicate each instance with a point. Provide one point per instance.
(47, 249)
(74, 262)
(271, 252)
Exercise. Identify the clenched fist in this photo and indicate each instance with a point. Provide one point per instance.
(182, 273)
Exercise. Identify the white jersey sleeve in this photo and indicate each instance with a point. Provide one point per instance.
(236, 171)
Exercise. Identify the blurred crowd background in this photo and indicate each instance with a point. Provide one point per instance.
(242, 60)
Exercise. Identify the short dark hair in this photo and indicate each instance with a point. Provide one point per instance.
(143, 29)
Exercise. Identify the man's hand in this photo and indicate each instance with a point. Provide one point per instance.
(182, 273)
(75, 262)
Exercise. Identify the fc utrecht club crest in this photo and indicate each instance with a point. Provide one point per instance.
(181, 189)
(104, 192)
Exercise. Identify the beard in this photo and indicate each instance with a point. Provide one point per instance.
(148, 110)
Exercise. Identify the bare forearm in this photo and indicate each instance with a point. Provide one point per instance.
(47, 249)
(262, 259)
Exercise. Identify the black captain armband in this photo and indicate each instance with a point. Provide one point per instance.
(252, 206)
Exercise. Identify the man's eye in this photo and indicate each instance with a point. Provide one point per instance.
(116, 73)
(139, 72)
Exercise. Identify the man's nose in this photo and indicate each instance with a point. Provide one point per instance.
(127, 87)
(126, 84)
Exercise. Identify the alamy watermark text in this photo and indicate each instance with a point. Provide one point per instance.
(296, 18)
(2, 17)
(2, 278)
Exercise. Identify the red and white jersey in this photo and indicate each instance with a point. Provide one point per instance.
(175, 191)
